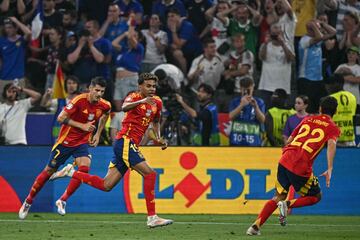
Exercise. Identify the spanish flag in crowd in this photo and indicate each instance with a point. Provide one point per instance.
(59, 83)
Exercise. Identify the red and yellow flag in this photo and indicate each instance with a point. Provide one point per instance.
(59, 83)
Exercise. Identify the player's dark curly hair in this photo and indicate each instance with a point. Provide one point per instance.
(147, 76)
(328, 105)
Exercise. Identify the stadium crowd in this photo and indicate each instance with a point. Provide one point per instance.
(254, 60)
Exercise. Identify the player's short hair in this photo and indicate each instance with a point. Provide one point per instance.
(281, 93)
(328, 105)
(147, 76)
(98, 81)
(246, 82)
(207, 88)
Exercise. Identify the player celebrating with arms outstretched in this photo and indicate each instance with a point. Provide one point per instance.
(142, 108)
(295, 165)
(78, 119)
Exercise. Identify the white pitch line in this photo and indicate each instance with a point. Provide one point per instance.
(190, 223)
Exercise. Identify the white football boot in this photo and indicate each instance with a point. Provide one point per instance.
(253, 231)
(61, 207)
(155, 221)
(283, 208)
(24, 210)
(67, 171)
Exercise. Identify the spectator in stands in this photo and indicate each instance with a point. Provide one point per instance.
(345, 112)
(11, 8)
(113, 26)
(13, 113)
(70, 22)
(162, 8)
(350, 36)
(171, 75)
(310, 80)
(91, 55)
(239, 65)
(131, 6)
(304, 11)
(128, 64)
(206, 68)
(206, 119)
(72, 88)
(12, 52)
(52, 17)
(301, 103)
(276, 118)
(342, 7)
(242, 23)
(351, 73)
(276, 54)
(286, 20)
(156, 44)
(218, 27)
(184, 43)
(64, 5)
(93, 9)
(196, 15)
(56, 36)
(247, 114)
(268, 17)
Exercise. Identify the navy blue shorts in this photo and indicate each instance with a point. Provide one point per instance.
(126, 155)
(60, 154)
(305, 186)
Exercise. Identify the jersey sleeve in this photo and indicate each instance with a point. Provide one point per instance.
(71, 107)
(333, 133)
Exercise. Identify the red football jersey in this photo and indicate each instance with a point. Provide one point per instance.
(137, 120)
(81, 110)
(310, 136)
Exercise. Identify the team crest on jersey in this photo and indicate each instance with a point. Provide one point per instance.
(98, 113)
(69, 106)
(148, 112)
(91, 117)
(143, 106)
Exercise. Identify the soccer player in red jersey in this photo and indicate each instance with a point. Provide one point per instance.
(295, 165)
(78, 119)
(142, 108)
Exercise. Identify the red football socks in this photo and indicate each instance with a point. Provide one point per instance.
(74, 184)
(303, 201)
(149, 186)
(39, 182)
(92, 180)
(269, 207)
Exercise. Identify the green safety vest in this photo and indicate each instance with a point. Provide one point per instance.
(345, 113)
(279, 117)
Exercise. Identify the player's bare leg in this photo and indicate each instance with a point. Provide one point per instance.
(149, 176)
(269, 207)
(112, 177)
(39, 182)
(83, 164)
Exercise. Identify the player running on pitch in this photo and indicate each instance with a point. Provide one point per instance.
(295, 165)
(78, 120)
(142, 108)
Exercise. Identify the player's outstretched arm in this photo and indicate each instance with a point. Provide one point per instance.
(127, 106)
(331, 150)
(64, 118)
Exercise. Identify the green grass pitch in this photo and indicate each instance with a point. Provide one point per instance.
(50, 226)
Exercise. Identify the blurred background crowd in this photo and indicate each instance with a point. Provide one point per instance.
(239, 72)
